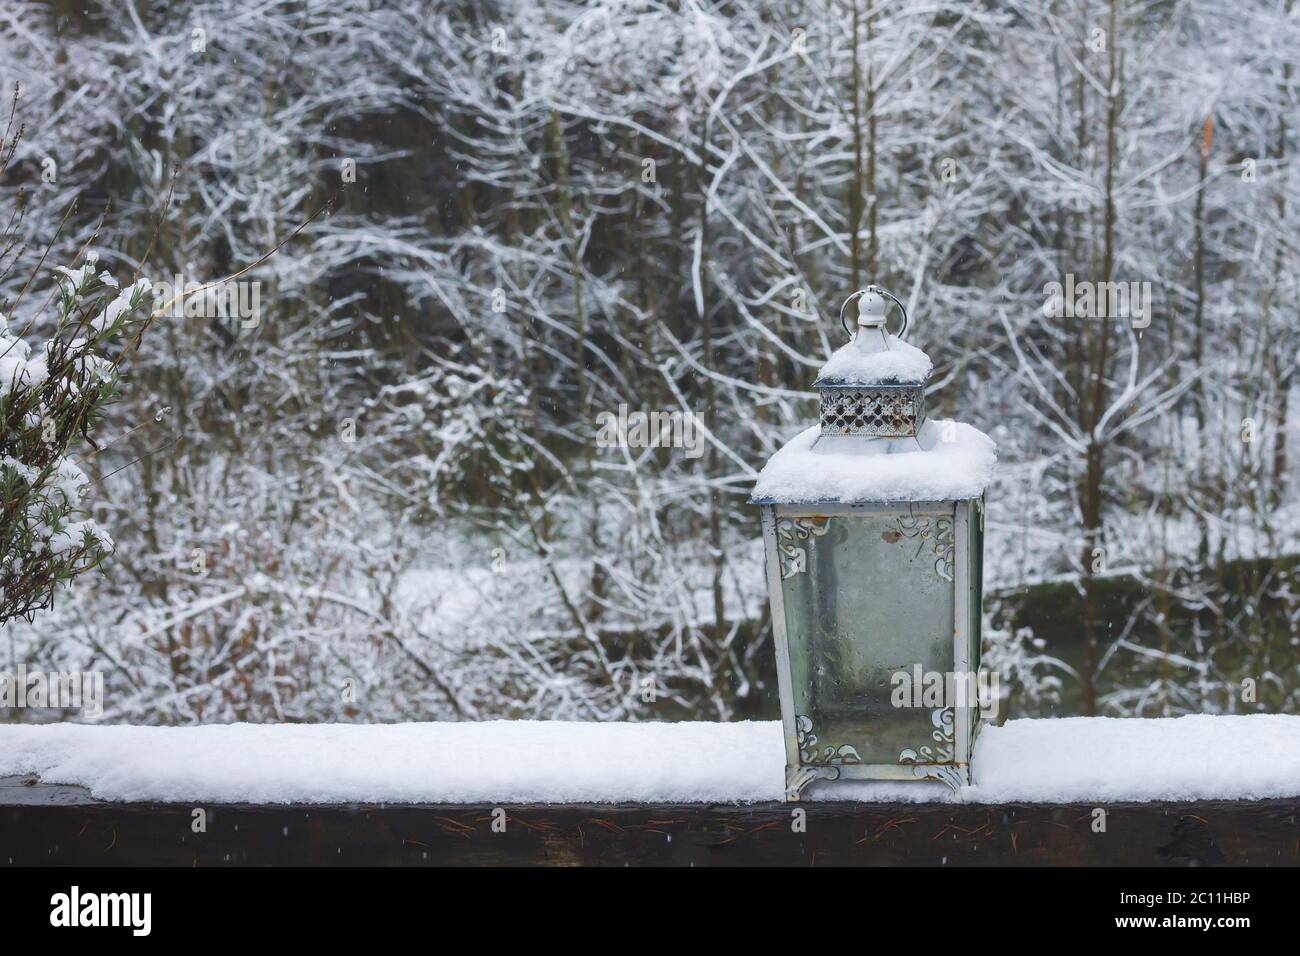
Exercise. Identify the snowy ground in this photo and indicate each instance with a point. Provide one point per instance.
(511, 762)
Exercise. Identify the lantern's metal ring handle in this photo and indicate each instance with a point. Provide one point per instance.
(902, 329)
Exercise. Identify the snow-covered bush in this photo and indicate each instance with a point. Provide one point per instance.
(50, 398)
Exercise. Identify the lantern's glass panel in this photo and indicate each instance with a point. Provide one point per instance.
(872, 596)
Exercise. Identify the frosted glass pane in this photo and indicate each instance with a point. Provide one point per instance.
(870, 599)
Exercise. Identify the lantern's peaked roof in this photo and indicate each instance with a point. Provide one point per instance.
(874, 357)
(946, 461)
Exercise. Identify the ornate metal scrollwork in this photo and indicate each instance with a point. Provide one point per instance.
(891, 411)
(794, 559)
(936, 763)
(937, 532)
(944, 720)
(811, 752)
(798, 778)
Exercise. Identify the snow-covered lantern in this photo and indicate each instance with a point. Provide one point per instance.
(873, 526)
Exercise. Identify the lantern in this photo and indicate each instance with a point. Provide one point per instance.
(873, 529)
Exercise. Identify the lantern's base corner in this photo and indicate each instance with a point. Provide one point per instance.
(797, 779)
(954, 777)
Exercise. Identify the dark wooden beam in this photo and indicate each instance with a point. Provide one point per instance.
(42, 824)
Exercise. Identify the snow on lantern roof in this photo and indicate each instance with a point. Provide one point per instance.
(946, 461)
(860, 363)
(873, 356)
